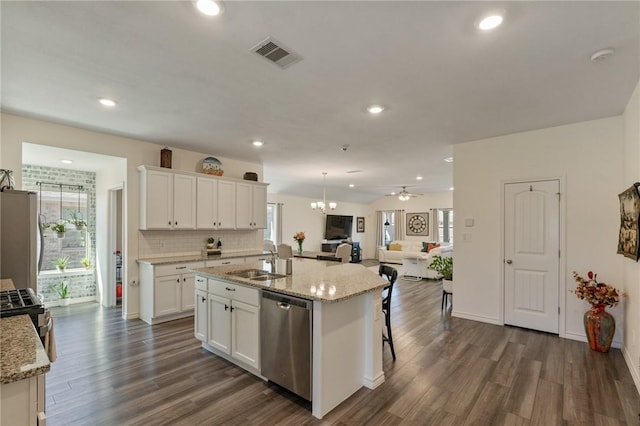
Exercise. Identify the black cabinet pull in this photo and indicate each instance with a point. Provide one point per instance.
(226, 307)
(230, 289)
(178, 280)
(232, 308)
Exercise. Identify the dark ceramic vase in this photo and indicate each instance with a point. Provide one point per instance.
(600, 327)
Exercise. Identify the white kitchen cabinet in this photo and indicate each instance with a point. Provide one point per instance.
(201, 309)
(167, 200)
(215, 204)
(233, 324)
(251, 206)
(228, 261)
(167, 292)
(22, 402)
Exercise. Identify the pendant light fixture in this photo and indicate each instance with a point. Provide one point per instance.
(322, 205)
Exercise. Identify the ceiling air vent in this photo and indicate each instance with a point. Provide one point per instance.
(275, 52)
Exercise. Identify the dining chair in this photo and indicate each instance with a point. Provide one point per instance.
(391, 275)
(285, 251)
(343, 252)
(268, 245)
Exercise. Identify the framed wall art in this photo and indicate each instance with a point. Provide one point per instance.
(629, 222)
(418, 223)
(360, 224)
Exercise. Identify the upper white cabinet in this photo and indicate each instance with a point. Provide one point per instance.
(251, 206)
(168, 200)
(186, 200)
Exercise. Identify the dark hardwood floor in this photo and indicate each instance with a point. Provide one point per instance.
(448, 371)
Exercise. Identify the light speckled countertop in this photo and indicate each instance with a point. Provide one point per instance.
(21, 352)
(311, 279)
(199, 258)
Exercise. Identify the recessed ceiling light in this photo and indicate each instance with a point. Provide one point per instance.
(257, 143)
(66, 161)
(209, 7)
(489, 22)
(107, 102)
(451, 188)
(418, 177)
(375, 109)
(351, 185)
(449, 159)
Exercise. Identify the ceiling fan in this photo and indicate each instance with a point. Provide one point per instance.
(403, 195)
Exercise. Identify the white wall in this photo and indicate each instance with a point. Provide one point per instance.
(631, 269)
(16, 130)
(589, 156)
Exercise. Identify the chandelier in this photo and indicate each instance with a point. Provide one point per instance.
(322, 205)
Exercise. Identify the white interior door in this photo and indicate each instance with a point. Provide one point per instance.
(532, 254)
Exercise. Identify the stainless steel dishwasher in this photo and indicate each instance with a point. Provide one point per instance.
(285, 336)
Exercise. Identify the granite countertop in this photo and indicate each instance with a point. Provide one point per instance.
(199, 258)
(21, 352)
(324, 281)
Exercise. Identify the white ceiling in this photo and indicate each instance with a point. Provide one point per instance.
(188, 81)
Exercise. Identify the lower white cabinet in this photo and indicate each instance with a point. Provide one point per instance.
(22, 402)
(233, 320)
(167, 292)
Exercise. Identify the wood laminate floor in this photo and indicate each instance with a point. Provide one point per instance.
(449, 371)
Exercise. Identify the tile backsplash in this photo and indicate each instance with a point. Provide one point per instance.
(187, 242)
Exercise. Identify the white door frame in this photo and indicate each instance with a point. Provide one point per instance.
(562, 278)
(109, 299)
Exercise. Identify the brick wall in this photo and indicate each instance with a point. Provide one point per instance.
(81, 283)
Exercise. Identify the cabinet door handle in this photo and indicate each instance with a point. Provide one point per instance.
(226, 263)
(176, 222)
(202, 299)
(230, 289)
(184, 280)
(232, 308)
(169, 222)
(226, 307)
(178, 280)
(181, 267)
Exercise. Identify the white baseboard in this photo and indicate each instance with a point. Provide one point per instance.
(72, 301)
(634, 368)
(372, 384)
(474, 317)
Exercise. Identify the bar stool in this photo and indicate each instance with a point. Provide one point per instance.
(391, 275)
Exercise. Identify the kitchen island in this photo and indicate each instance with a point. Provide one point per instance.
(346, 330)
(23, 363)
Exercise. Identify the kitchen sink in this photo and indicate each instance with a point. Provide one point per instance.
(267, 277)
(248, 273)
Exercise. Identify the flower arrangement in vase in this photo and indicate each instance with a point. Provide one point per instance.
(299, 237)
(599, 325)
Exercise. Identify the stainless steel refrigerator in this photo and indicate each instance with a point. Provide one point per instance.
(19, 238)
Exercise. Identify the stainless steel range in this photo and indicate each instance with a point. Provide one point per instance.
(23, 301)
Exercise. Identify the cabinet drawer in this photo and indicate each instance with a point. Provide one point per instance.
(228, 261)
(248, 295)
(176, 268)
(201, 283)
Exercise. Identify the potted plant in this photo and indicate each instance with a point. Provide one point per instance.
(210, 242)
(63, 292)
(443, 266)
(58, 228)
(77, 220)
(61, 263)
(86, 262)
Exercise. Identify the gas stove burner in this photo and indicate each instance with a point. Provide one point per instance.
(19, 302)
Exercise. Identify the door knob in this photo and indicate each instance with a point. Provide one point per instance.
(509, 261)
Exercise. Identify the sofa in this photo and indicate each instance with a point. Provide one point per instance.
(414, 249)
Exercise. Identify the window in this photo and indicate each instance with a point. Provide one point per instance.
(445, 225)
(271, 232)
(388, 227)
(67, 208)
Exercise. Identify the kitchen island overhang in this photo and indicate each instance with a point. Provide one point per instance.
(347, 321)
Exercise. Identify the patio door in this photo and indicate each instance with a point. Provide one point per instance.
(532, 254)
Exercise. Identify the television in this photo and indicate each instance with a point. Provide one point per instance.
(338, 227)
